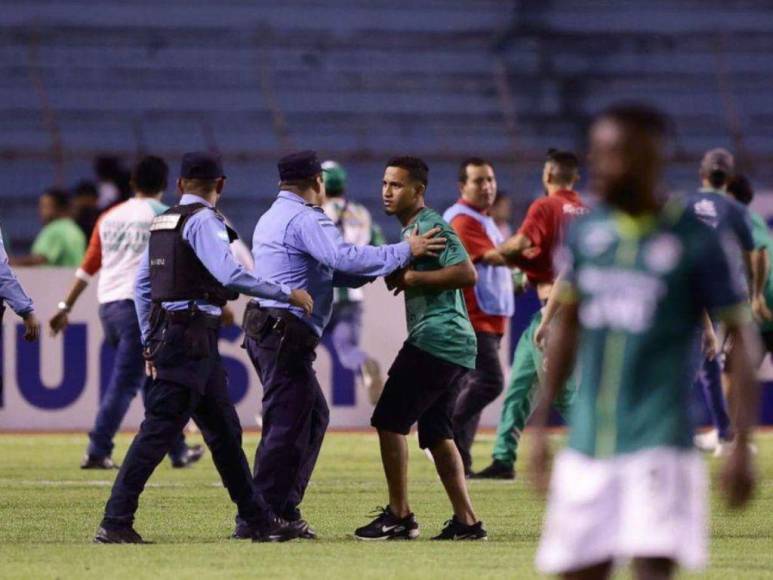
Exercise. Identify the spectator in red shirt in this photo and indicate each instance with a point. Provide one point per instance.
(489, 303)
(531, 249)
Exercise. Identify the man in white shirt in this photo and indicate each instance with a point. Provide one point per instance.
(116, 245)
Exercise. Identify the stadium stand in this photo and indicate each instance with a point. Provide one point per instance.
(442, 79)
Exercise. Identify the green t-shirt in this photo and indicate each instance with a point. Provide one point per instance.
(437, 319)
(762, 239)
(641, 286)
(61, 243)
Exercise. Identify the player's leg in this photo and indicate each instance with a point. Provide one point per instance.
(653, 568)
(600, 571)
(480, 387)
(580, 534)
(401, 404)
(517, 405)
(664, 514)
(436, 434)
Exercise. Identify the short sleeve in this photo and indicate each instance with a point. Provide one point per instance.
(565, 264)
(743, 229)
(472, 235)
(454, 252)
(47, 245)
(713, 285)
(536, 224)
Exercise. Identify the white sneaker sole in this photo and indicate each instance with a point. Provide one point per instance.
(412, 535)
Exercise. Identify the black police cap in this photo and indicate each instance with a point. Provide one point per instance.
(201, 165)
(300, 165)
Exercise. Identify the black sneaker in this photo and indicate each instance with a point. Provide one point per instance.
(387, 526)
(305, 531)
(244, 530)
(497, 470)
(126, 535)
(277, 530)
(94, 462)
(455, 530)
(192, 455)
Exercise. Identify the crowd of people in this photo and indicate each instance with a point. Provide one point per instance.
(634, 286)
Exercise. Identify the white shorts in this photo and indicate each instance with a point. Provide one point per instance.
(647, 504)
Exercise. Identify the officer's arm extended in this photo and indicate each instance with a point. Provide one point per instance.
(314, 234)
(10, 289)
(208, 237)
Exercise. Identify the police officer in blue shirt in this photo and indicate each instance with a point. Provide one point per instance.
(13, 294)
(297, 244)
(185, 277)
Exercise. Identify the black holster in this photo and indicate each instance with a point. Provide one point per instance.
(259, 322)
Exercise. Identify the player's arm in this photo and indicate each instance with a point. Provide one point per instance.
(714, 287)
(460, 275)
(344, 280)
(743, 398)
(560, 357)
(477, 243)
(761, 267)
(92, 262)
(519, 249)
(552, 307)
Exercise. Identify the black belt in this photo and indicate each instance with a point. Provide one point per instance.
(186, 316)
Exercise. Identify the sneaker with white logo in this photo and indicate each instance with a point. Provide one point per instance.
(456, 530)
(387, 526)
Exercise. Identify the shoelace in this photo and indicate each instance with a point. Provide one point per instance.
(379, 511)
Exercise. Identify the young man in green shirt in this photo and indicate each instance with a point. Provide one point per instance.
(61, 242)
(425, 377)
(638, 276)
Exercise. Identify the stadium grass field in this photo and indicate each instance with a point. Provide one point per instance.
(49, 510)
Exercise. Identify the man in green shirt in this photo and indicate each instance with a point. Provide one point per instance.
(638, 276)
(424, 380)
(61, 242)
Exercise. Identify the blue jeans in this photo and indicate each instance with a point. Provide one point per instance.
(708, 382)
(122, 332)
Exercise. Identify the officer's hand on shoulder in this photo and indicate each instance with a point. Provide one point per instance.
(302, 299)
(426, 244)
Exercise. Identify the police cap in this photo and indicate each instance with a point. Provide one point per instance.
(201, 165)
(300, 165)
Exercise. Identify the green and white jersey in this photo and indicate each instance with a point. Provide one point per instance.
(437, 319)
(762, 240)
(641, 286)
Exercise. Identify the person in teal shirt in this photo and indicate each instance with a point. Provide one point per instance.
(741, 189)
(61, 242)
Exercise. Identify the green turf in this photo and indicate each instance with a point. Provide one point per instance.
(49, 510)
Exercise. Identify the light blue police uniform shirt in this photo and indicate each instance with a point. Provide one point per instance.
(11, 291)
(297, 244)
(208, 237)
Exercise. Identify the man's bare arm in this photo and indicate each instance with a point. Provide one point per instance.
(738, 474)
(31, 260)
(560, 358)
(460, 275)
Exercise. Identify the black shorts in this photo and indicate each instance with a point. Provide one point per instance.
(421, 387)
